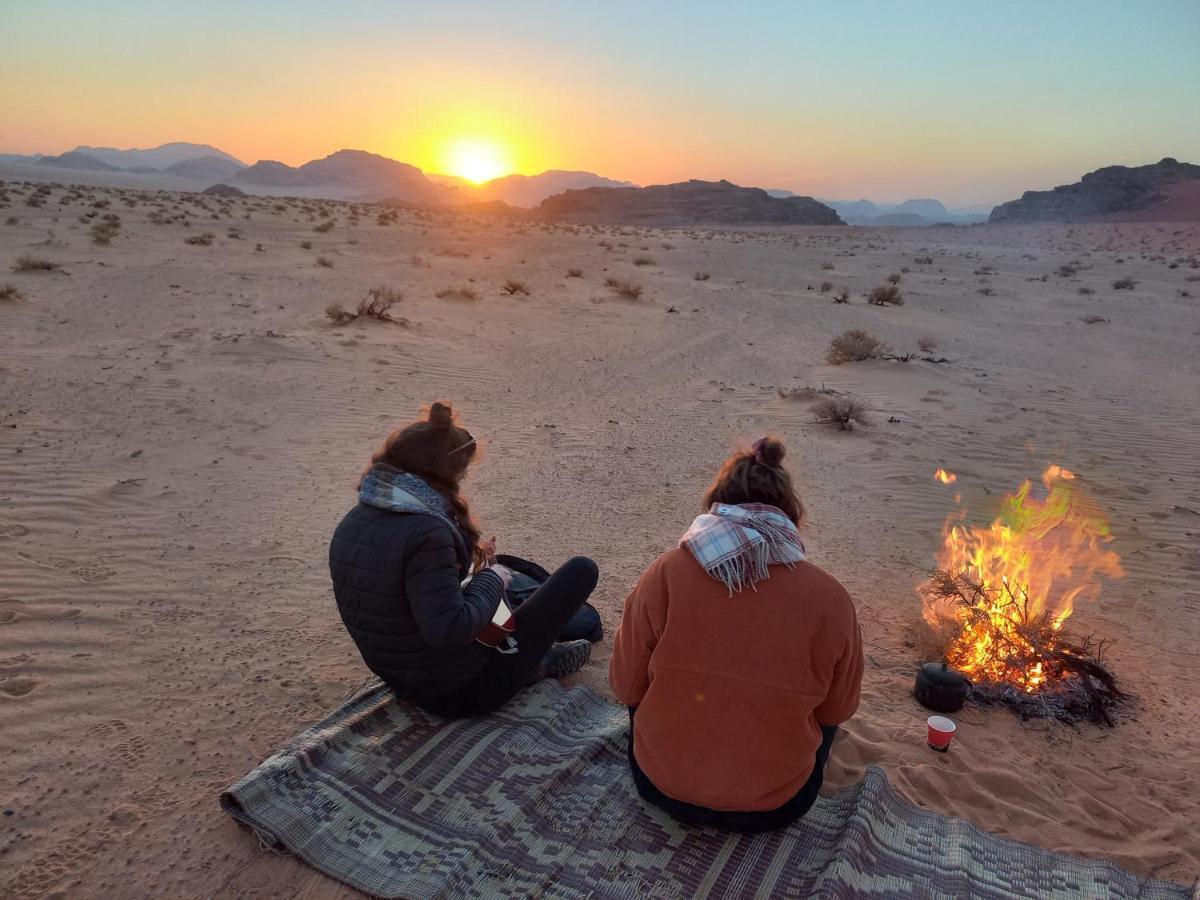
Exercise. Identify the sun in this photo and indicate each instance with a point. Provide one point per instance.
(476, 159)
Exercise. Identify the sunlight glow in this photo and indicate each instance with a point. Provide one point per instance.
(476, 159)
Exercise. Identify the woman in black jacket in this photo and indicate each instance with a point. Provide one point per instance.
(399, 559)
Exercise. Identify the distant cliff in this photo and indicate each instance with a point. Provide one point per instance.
(685, 203)
(1164, 191)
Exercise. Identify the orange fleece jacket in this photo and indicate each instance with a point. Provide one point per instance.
(731, 691)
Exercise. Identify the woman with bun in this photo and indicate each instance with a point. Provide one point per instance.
(738, 658)
(399, 560)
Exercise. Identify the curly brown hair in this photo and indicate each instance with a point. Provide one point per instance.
(757, 475)
(439, 450)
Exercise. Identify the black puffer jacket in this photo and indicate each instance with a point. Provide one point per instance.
(396, 578)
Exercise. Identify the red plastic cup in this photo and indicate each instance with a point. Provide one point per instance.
(941, 732)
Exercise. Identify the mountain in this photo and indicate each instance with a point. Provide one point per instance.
(73, 159)
(373, 175)
(270, 173)
(530, 190)
(910, 212)
(206, 168)
(685, 203)
(156, 157)
(1167, 191)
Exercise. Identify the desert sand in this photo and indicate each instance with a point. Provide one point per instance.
(182, 429)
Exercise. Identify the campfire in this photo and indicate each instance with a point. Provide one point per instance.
(1001, 595)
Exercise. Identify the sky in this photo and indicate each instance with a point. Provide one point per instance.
(969, 102)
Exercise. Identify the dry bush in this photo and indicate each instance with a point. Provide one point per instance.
(702, 276)
(986, 291)
(923, 260)
(826, 287)
(894, 278)
(204, 239)
(513, 286)
(34, 264)
(10, 292)
(644, 261)
(574, 273)
(324, 262)
(463, 292)
(376, 305)
(103, 233)
(842, 296)
(843, 411)
(324, 227)
(1093, 319)
(926, 344)
(1068, 270)
(1087, 290)
(1124, 284)
(624, 287)
(885, 294)
(306, 245)
(12, 220)
(827, 266)
(854, 345)
(339, 315)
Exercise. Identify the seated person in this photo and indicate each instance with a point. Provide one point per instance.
(399, 560)
(737, 658)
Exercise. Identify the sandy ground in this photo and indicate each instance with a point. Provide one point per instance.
(182, 429)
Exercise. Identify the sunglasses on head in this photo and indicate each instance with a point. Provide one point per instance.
(470, 440)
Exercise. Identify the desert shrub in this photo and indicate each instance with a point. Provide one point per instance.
(827, 266)
(854, 345)
(885, 294)
(644, 261)
(324, 227)
(12, 220)
(842, 411)
(339, 315)
(986, 291)
(1068, 270)
(703, 276)
(462, 292)
(1124, 284)
(826, 287)
(259, 248)
(34, 264)
(234, 234)
(624, 287)
(204, 239)
(894, 278)
(1087, 290)
(306, 245)
(324, 262)
(923, 260)
(574, 273)
(512, 286)
(376, 305)
(926, 344)
(10, 292)
(103, 233)
(1093, 319)
(842, 296)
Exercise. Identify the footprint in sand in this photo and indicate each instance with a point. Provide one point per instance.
(16, 685)
(93, 572)
(12, 529)
(109, 728)
(12, 610)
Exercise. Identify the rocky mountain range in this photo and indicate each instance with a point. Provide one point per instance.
(685, 203)
(1168, 190)
(910, 212)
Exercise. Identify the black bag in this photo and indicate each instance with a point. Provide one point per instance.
(528, 577)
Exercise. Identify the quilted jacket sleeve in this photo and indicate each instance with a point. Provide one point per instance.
(448, 616)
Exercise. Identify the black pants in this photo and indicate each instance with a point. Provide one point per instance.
(539, 620)
(746, 822)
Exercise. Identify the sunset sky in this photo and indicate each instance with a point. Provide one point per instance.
(964, 101)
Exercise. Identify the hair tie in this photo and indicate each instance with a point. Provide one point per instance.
(759, 446)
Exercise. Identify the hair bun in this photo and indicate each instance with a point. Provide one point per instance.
(441, 415)
(769, 451)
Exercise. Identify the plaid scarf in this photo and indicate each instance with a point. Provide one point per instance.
(387, 487)
(735, 543)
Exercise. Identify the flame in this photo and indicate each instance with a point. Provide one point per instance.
(945, 477)
(1036, 559)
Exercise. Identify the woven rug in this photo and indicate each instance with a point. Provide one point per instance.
(536, 800)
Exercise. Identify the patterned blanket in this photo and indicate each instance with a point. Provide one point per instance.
(536, 800)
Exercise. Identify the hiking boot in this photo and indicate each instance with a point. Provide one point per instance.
(564, 659)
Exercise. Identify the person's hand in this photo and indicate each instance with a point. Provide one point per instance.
(505, 573)
(488, 548)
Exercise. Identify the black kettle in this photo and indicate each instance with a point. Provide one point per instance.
(941, 688)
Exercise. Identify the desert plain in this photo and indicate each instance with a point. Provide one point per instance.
(182, 426)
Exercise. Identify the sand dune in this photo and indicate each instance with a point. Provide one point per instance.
(182, 428)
